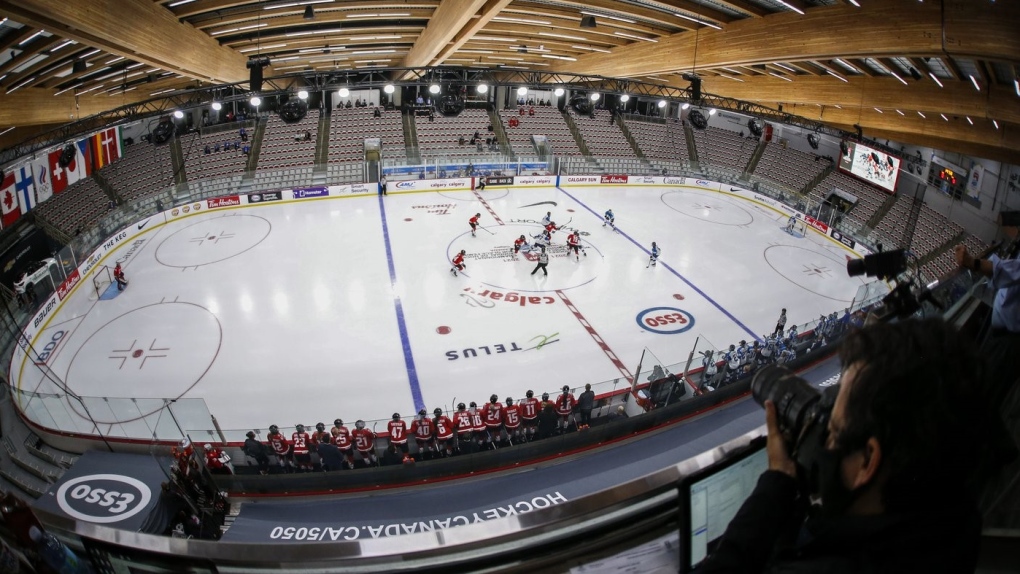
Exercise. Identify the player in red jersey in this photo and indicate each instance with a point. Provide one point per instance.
(444, 432)
(458, 263)
(574, 244)
(343, 441)
(529, 413)
(424, 431)
(364, 441)
(216, 461)
(301, 442)
(464, 425)
(320, 431)
(565, 408)
(512, 421)
(398, 433)
(518, 244)
(493, 415)
(478, 427)
(473, 222)
(281, 448)
(551, 228)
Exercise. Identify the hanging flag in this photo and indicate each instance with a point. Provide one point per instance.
(58, 175)
(25, 186)
(977, 173)
(43, 178)
(106, 147)
(79, 168)
(10, 210)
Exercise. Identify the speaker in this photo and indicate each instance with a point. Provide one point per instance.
(255, 78)
(697, 119)
(696, 89)
(66, 156)
(587, 21)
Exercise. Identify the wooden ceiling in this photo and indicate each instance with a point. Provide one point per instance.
(942, 74)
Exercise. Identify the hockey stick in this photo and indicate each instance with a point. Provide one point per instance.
(480, 227)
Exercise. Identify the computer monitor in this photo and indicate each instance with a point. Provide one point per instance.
(710, 498)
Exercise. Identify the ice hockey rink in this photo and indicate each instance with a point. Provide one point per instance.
(302, 311)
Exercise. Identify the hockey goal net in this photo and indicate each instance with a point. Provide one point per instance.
(799, 228)
(101, 279)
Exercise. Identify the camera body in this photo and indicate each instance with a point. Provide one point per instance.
(803, 414)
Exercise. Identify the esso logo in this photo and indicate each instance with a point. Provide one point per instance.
(665, 320)
(103, 498)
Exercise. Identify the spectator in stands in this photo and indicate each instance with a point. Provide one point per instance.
(477, 136)
(348, 105)
(216, 147)
(257, 452)
(244, 134)
(904, 425)
(246, 149)
(531, 111)
(419, 101)
(376, 113)
(207, 150)
(308, 135)
(432, 116)
(488, 128)
(462, 140)
(531, 101)
(521, 110)
(237, 146)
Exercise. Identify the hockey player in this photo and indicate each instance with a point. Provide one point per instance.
(574, 244)
(398, 433)
(609, 219)
(478, 427)
(709, 372)
(551, 228)
(301, 443)
(364, 441)
(118, 276)
(512, 421)
(444, 432)
(547, 219)
(565, 408)
(519, 243)
(790, 222)
(343, 441)
(543, 239)
(494, 421)
(423, 430)
(529, 413)
(281, 448)
(217, 461)
(320, 431)
(654, 255)
(458, 263)
(473, 222)
(462, 422)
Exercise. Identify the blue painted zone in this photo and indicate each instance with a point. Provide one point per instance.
(405, 341)
(671, 270)
(110, 293)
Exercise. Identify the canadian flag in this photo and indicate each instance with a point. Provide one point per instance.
(10, 209)
(79, 167)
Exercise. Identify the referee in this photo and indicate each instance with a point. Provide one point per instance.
(543, 260)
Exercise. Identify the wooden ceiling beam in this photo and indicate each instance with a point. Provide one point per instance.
(32, 106)
(138, 30)
(699, 10)
(448, 20)
(28, 54)
(490, 10)
(810, 68)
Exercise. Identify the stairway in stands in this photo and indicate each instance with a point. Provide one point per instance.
(253, 156)
(321, 150)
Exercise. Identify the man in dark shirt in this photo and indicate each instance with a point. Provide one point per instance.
(330, 456)
(896, 476)
(585, 404)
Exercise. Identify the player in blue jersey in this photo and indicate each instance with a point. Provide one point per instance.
(654, 256)
(609, 218)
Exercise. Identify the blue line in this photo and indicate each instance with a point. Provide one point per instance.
(671, 270)
(405, 341)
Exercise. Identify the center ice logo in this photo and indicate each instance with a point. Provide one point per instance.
(665, 320)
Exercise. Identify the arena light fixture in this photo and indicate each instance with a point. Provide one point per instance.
(624, 98)
(217, 106)
(256, 101)
(344, 92)
(996, 124)
(595, 96)
(662, 103)
(388, 88)
(434, 89)
(685, 106)
(712, 111)
(522, 91)
(178, 114)
(558, 92)
(483, 88)
(302, 94)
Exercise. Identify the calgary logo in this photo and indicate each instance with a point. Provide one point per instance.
(103, 498)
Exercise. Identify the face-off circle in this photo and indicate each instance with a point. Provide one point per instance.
(712, 208)
(489, 260)
(212, 240)
(811, 270)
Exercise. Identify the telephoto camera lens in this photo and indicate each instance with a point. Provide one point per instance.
(793, 396)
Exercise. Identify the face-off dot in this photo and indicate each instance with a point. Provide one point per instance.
(407, 219)
(137, 353)
(443, 330)
(678, 296)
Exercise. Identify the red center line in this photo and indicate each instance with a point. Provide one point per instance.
(594, 335)
(487, 207)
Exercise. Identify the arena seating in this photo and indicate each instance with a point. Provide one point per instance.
(144, 171)
(348, 128)
(281, 147)
(547, 121)
(724, 148)
(787, 166)
(200, 166)
(932, 230)
(869, 198)
(661, 141)
(890, 229)
(441, 136)
(601, 137)
(78, 207)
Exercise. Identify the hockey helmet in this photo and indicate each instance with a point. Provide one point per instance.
(463, 252)
(461, 406)
(566, 389)
(438, 412)
(320, 427)
(653, 244)
(545, 396)
(493, 399)
(360, 424)
(530, 394)
(478, 215)
(396, 416)
(422, 413)
(338, 423)
(208, 446)
(732, 347)
(509, 401)
(273, 429)
(522, 238)
(473, 404)
(299, 428)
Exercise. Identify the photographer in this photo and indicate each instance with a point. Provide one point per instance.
(894, 466)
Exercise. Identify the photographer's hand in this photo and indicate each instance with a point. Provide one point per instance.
(779, 459)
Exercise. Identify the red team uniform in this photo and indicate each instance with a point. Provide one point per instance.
(478, 425)
(473, 222)
(280, 446)
(518, 243)
(301, 440)
(574, 244)
(551, 228)
(444, 432)
(512, 420)
(398, 432)
(494, 419)
(462, 422)
(565, 406)
(458, 263)
(320, 431)
(529, 414)
(364, 441)
(423, 428)
(343, 441)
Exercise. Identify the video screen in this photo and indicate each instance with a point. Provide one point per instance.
(871, 165)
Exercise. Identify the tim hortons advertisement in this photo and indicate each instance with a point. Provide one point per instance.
(536, 180)
(615, 178)
(228, 201)
(816, 224)
(579, 180)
